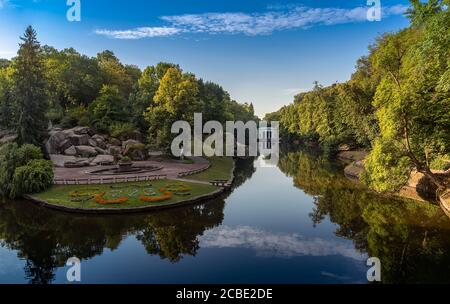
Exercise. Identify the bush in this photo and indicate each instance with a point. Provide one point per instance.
(440, 163)
(22, 170)
(119, 130)
(34, 177)
(27, 153)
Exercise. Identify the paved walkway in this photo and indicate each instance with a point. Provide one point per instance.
(171, 169)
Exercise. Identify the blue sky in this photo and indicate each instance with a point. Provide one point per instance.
(260, 51)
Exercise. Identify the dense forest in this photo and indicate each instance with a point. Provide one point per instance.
(396, 104)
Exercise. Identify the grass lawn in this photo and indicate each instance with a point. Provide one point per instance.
(220, 169)
(60, 195)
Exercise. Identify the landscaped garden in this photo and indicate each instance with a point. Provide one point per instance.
(124, 195)
(220, 169)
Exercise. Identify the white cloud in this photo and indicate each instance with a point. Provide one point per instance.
(141, 32)
(282, 18)
(276, 244)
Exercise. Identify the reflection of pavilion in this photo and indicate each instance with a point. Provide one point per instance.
(267, 136)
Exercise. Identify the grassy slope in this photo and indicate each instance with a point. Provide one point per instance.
(220, 169)
(59, 195)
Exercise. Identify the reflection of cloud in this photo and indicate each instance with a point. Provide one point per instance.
(334, 276)
(252, 24)
(276, 244)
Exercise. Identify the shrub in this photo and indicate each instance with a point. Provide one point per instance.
(125, 159)
(121, 129)
(27, 153)
(34, 177)
(22, 170)
(440, 163)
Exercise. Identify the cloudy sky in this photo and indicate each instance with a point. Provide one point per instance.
(261, 51)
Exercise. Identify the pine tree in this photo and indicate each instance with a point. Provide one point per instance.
(29, 91)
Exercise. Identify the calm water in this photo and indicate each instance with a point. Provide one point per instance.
(302, 222)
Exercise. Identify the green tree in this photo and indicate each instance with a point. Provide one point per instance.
(107, 108)
(29, 91)
(6, 98)
(413, 100)
(175, 99)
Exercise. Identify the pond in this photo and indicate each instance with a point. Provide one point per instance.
(301, 222)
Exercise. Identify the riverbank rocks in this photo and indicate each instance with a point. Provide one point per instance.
(80, 146)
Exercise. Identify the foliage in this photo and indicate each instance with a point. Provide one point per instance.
(119, 130)
(29, 93)
(397, 102)
(36, 176)
(22, 170)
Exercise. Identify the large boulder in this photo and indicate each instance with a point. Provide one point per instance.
(103, 160)
(86, 151)
(99, 141)
(134, 149)
(115, 142)
(83, 131)
(78, 163)
(115, 151)
(100, 150)
(71, 151)
(61, 160)
(79, 140)
(56, 142)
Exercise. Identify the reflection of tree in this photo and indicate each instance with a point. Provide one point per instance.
(411, 239)
(46, 239)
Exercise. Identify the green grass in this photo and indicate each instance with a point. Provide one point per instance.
(220, 169)
(59, 195)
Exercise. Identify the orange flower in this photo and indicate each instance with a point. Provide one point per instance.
(166, 195)
(99, 199)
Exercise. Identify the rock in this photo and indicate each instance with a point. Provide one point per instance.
(92, 142)
(60, 160)
(86, 151)
(103, 160)
(100, 150)
(115, 151)
(115, 142)
(55, 142)
(134, 149)
(78, 163)
(130, 142)
(100, 141)
(137, 155)
(71, 151)
(79, 140)
(83, 131)
(66, 144)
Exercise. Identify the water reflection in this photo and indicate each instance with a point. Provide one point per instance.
(45, 239)
(411, 239)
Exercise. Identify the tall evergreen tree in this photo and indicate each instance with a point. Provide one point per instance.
(29, 91)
